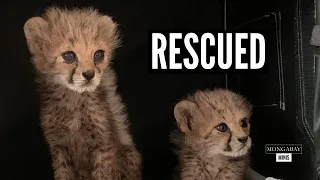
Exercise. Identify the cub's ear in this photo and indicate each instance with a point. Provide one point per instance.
(108, 30)
(35, 31)
(184, 113)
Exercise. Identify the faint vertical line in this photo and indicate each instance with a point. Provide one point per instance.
(300, 69)
(277, 18)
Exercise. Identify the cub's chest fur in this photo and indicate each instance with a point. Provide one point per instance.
(74, 119)
(206, 168)
(216, 167)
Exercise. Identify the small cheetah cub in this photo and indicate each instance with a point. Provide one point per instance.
(213, 139)
(82, 116)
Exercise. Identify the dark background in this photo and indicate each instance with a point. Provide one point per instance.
(151, 97)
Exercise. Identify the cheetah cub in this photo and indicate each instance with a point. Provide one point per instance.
(82, 116)
(213, 137)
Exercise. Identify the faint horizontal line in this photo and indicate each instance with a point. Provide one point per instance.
(266, 105)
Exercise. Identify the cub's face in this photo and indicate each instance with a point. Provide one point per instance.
(228, 133)
(72, 47)
(216, 124)
(80, 67)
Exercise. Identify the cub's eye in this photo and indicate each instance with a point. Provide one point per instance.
(98, 56)
(69, 57)
(222, 127)
(244, 123)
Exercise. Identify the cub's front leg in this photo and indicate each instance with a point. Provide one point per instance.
(130, 164)
(61, 163)
(105, 163)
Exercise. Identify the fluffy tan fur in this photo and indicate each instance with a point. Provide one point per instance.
(214, 140)
(84, 121)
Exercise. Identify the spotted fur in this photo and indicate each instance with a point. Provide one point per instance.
(84, 122)
(204, 152)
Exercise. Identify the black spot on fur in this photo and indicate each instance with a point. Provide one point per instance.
(72, 41)
(71, 75)
(212, 106)
(228, 148)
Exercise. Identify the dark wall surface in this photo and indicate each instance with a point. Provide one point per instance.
(283, 98)
(150, 98)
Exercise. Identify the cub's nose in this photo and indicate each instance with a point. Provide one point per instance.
(89, 74)
(243, 139)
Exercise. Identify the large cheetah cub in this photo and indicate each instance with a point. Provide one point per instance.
(213, 139)
(82, 116)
